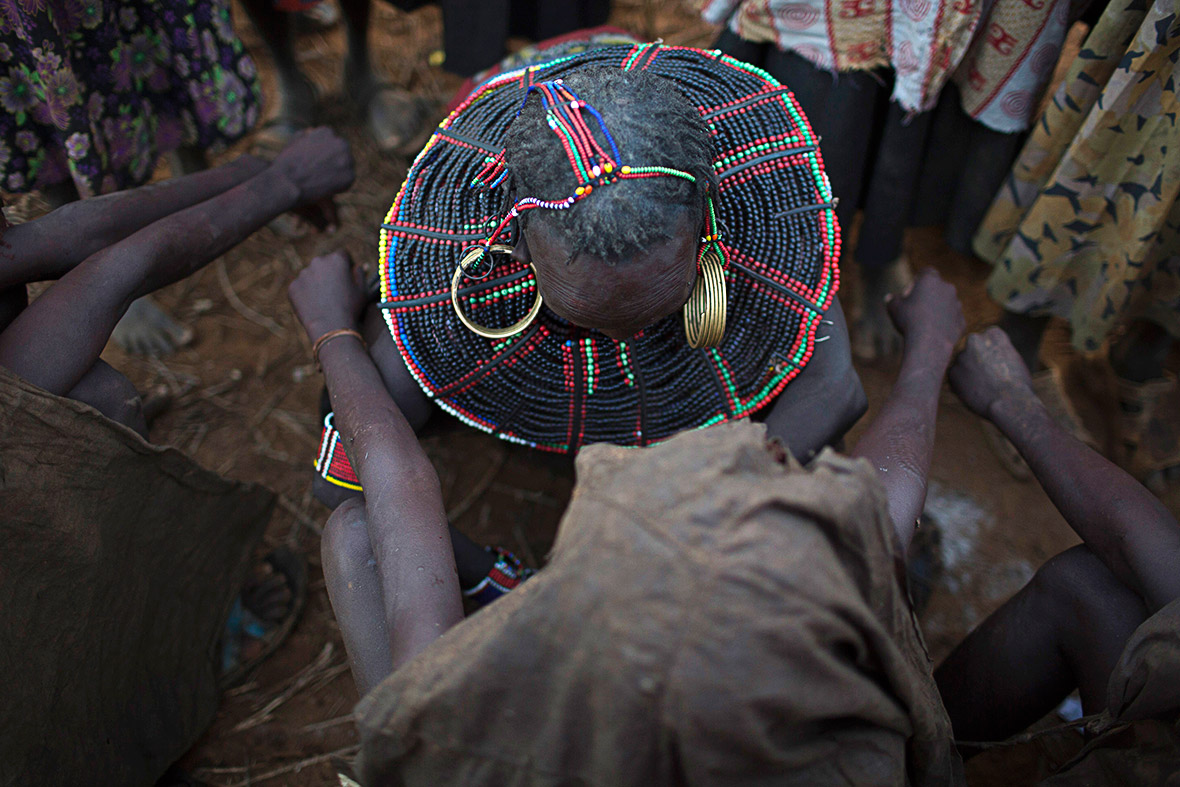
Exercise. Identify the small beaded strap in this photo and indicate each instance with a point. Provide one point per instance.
(329, 336)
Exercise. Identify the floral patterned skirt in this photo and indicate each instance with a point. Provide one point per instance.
(94, 91)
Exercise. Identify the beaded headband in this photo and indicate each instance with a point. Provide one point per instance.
(593, 165)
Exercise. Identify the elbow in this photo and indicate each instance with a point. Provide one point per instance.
(848, 404)
(856, 402)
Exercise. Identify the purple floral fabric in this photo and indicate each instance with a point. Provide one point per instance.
(96, 90)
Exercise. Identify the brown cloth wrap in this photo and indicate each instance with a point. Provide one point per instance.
(709, 616)
(119, 563)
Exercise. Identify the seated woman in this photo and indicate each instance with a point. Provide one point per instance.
(614, 247)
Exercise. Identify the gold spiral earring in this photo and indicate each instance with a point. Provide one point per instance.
(471, 258)
(704, 313)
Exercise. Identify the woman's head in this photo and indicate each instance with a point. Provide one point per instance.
(625, 256)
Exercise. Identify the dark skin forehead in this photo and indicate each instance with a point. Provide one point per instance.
(618, 300)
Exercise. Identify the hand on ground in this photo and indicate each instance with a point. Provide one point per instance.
(929, 310)
(328, 294)
(988, 369)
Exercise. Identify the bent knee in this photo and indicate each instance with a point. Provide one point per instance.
(1080, 587)
(111, 394)
(345, 544)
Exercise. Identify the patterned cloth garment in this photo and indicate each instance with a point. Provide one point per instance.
(94, 91)
(1000, 53)
(1087, 225)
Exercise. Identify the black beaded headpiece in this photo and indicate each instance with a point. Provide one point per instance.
(557, 386)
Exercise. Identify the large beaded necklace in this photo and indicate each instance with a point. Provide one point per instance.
(557, 386)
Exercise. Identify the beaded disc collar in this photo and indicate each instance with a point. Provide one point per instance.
(557, 386)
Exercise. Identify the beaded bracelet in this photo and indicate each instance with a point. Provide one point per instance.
(329, 336)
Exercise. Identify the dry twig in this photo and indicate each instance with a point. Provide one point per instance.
(293, 767)
(479, 488)
(323, 725)
(288, 505)
(243, 309)
(302, 678)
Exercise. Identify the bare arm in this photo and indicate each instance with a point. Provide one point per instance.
(825, 400)
(51, 246)
(1126, 526)
(56, 340)
(900, 440)
(403, 501)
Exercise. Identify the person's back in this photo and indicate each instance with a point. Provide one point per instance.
(709, 615)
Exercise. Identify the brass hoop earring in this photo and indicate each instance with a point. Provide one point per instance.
(489, 333)
(704, 313)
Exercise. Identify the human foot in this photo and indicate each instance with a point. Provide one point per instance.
(146, 330)
(394, 119)
(873, 335)
(263, 614)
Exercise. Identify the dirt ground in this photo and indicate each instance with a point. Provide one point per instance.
(246, 398)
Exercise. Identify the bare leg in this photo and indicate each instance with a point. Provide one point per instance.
(111, 394)
(101, 387)
(472, 561)
(296, 92)
(1025, 332)
(391, 115)
(1065, 629)
(354, 588)
(1068, 627)
(825, 400)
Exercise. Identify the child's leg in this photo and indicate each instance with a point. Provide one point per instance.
(472, 561)
(101, 387)
(1064, 630)
(354, 588)
(111, 394)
